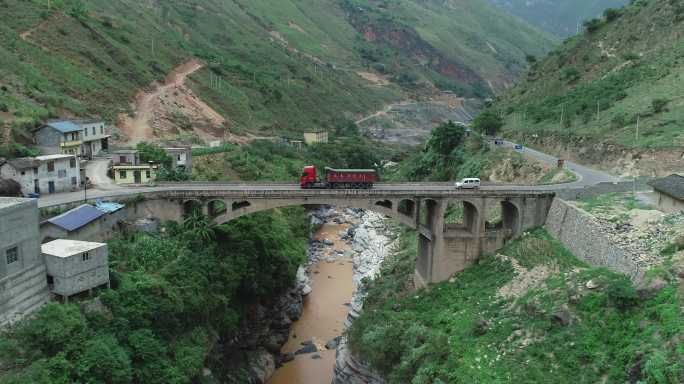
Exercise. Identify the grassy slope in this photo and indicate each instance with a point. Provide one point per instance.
(92, 62)
(560, 17)
(640, 62)
(485, 39)
(461, 332)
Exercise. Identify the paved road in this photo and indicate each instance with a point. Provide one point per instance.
(586, 176)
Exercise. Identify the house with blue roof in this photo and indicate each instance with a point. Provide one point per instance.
(84, 223)
(59, 137)
(84, 138)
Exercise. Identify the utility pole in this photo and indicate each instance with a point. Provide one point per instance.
(598, 111)
(636, 148)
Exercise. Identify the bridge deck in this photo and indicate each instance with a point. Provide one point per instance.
(289, 190)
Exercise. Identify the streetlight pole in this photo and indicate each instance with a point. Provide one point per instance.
(85, 186)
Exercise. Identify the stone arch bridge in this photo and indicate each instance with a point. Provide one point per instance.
(444, 247)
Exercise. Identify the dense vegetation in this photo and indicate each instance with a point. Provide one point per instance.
(594, 88)
(174, 296)
(272, 67)
(554, 329)
(561, 17)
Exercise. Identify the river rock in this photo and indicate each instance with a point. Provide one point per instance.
(309, 347)
(328, 242)
(306, 290)
(332, 344)
(261, 366)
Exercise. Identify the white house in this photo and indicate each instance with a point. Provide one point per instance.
(44, 174)
(93, 136)
(75, 266)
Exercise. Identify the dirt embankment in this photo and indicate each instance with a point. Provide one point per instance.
(170, 107)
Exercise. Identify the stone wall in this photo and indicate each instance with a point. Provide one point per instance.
(580, 233)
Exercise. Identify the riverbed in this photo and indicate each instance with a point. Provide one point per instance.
(325, 310)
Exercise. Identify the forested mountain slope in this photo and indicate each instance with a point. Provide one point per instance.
(270, 67)
(584, 99)
(561, 17)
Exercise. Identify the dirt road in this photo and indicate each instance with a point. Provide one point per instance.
(170, 107)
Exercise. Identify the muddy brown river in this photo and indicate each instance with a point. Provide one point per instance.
(325, 311)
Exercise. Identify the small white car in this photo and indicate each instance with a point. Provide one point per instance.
(468, 183)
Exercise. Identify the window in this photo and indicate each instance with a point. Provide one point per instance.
(122, 174)
(35, 171)
(61, 173)
(72, 162)
(147, 174)
(74, 181)
(51, 166)
(122, 159)
(102, 129)
(85, 256)
(93, 130)
(23, 173)
(12, 255)
(85, 132)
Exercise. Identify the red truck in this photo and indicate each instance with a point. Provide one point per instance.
(338, 178)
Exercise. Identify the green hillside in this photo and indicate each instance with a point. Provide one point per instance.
(560, 17)
(283, 66)
(593, 88)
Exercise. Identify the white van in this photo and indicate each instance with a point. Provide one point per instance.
(468, 183)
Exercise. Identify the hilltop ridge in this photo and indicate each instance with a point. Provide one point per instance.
(269, 68)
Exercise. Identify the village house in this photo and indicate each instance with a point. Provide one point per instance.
(127, 168)
(181, 158)
(315, 137)
(85, 138)
(23, 286)
(86, 223)
(670, 193)
(94, 137)
(74, 266)
(43, 174)
(59, 137)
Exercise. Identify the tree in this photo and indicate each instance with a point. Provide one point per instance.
(104, 361)
(446, 138)
(153, 152)
(488, 122)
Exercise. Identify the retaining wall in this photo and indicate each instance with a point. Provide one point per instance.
(602, 189)
(580, 234)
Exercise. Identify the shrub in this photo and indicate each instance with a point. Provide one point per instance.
(571, 74)
(659, 105)
(612, 14)
(592, 25)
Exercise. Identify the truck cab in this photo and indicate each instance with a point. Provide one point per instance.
(308, 177)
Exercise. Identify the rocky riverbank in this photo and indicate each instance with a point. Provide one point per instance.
(372, 240)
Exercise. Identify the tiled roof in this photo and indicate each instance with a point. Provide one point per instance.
(672, 185)
(64, 126)
(77, 217)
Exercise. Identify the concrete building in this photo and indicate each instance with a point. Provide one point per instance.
(85, 138)
(85, 223)
(23, 286)
(94, 137)
(74, 267)
(670, 192)
(44, 174)
(315, 137)
(181, 157)
(127, 168)
(60, 137)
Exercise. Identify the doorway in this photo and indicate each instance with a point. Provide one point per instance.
(36, 186)
(51, 187)
(138, 177)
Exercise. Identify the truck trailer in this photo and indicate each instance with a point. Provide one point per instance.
(338, 178)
